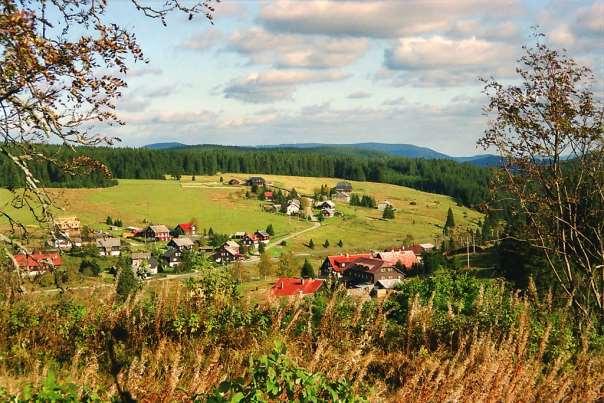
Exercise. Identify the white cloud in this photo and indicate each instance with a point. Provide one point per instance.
(276, 85)
(359, 95)
(289, 50)
(203, 40)
(378, 19)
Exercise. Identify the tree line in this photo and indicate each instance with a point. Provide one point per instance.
(466, 183)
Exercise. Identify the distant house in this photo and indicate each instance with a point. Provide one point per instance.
(406, 257)
(382, 206)
(385, 286)
(173, 257)
(291, 287)
(62, 242)
(262, 236)
(144, 260)
(187, 229)
(38, 262)
(181, 243)
(234, 182)
(370, 271)
(420, 248)
(109, 246)
(256, 181)
(344, 187)
(245, 239)
(335, 265)
(228, 252)
(328, 212)
(328, 204)
(157, 232)
(293, 207)
(70, 226)
(342, 196)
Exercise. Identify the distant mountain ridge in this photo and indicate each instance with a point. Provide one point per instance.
(399, 150)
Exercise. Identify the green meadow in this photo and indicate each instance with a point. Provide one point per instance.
(225, 209)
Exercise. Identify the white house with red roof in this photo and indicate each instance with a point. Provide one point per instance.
(186, 229)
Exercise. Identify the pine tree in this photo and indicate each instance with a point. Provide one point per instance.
(326, 243)
(109, 220)
(388, 213)
(127, 283)
(450, 223)
(307, 270)
(311, 244)
(270, 230)
(340, 243)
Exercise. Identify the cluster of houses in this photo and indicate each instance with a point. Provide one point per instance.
(234, 249)
(370, 272)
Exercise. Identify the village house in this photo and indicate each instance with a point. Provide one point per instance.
(256, 181)
(342, 197)
(325, 204)
(181, 243)
(272, 208)
(268, 195)
(262, 236)
(63, 242)
(245, 239)
(291, 287)
(344, 187)
(293, 207)
(385, 286)
(382, 206)
(335, 265)
(37, 263)
(109, 246)
(370, 271)
(328, 212)
(144, 261)
(406, 257)
(228, 252)
(68, 226)
(157, 232)
(186, 229)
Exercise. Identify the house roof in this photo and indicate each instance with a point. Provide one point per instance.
(232, 247)
(38, 259)
(368, 263)
(327, 203)
(159, 228)
(339, 262)
(289, 286)
(388, 284)
(268, 194)
(182, 242)
(406, 257)
(187, 227)
(263, 234)
(343, 185)
(108, 242)
(141, 255)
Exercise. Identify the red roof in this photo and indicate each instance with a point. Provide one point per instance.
(339, 262)
(268, 194)
(288, 286)
(38, 260)
(186, 227)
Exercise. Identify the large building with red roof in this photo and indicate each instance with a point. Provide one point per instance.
(293, 286)
(335, 265)
(36, 262)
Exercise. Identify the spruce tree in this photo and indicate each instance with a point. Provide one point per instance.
(307, 270)
(109, 220)
(388, 213)
(326, 243)
(340, 243)
(450, 223)
(270, 230)
(311, 244)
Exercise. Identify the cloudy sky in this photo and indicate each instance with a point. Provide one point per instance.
(338, 71)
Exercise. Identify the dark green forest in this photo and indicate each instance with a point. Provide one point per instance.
(466, 183)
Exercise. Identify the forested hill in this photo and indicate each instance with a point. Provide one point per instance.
(466, 183)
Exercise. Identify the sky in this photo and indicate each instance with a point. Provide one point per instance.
(338, 71)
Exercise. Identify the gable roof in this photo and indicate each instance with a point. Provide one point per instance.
(289, 286)
(181, 242)
(340, 262)
(141, 255)
(369, 264)
(108, 243)
(406, 257)
(232, 247)
(159, 228)
(263, 234)
(38, 260)
(186, 227)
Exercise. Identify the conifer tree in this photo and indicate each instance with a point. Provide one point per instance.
(307, 270)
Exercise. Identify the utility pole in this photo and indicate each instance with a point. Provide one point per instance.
(468, 249)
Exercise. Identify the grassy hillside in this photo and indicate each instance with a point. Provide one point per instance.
(225, 209)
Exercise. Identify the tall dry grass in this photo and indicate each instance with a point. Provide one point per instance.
(178, 343)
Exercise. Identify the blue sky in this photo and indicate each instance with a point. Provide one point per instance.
(337, 71)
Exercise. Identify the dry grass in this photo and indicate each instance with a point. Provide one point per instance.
(153, 362)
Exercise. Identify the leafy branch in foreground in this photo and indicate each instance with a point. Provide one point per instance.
(548, 129)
